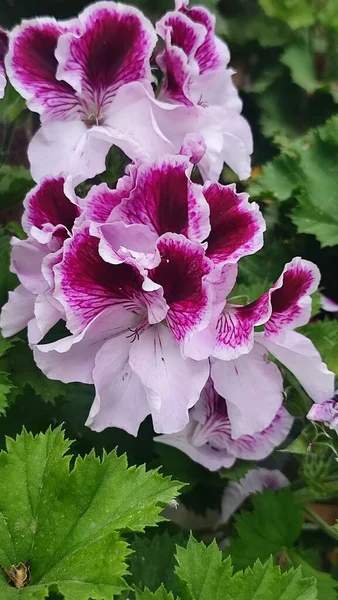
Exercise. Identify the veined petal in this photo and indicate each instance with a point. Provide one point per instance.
(235, 327)
(3, 52)
(17, 312)
(120, 399)
(253, 389)
(31, 67)
(101, 200)
(325, 412)
(299, 355)
(172, 384)
(49, 211)
(165, 199)
(182, 273)
(68, 148)
(290, 296)
(85, 284)
(73, 358)
(237, 225)
(113, 48)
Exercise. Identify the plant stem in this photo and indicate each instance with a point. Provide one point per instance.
(333, 533)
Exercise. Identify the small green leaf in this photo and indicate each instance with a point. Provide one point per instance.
(160, 594)
(326, 585)
(300, 445)
(15, 182)
(66, 523)
(300, 61)
(296, 13)
(324, 335)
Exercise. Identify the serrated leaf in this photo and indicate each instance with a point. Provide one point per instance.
(274, 523)
(296, 13)
(279, 178)
(5, 389)
(152, 561)
(66, 522)
(326, 585)
(159, 594)
(204, 575)
(324, 335)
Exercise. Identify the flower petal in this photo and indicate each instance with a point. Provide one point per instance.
(120, 399)
(26, 262)
(182, 273)
(255, 481)
(17, 312)
(68, 148)
(172, 384)
(31, 67)
(113, 48)
(325, 412)
(299, 355)
(85, 284)
(290, 296)
(237, 225)
(135, 244)
(48, 211)
(165, 199)
(3, 52)
(73, 358)
(253, 389)
(101, 200)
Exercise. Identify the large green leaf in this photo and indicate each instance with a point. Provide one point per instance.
(326, 585)
(66, 522)
(274, 523)
(324, 335)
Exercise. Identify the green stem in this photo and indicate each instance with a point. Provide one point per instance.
(333, 533)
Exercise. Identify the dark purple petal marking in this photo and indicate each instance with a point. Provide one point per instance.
(47, 204)
(3, 47)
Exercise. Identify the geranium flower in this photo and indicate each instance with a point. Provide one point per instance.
(72, 74)
(48, 220)
(3, 51)
(207, 438)
(194, 62)
(326, 412)
(251, 384)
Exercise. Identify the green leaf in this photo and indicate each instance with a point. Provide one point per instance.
(15, 182)
(279, 178)
(204, 575)
(324, 335)
(300, 445)
(66, 523)
(160, 594)
(7, 279)
(5, 389)
(300, 61)
(326, 585)
(11, 105)
(296, 13)
(274, 523)
(152, 561)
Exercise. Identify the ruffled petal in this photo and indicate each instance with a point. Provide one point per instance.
(112, 49)
(299, 355)
(253, 389)
(172, 384)
(26, 262)
(134, 244)
(237, 225)
(31, 66)
(165, 199)
(3, 52)
(182, 274)
(290, 296)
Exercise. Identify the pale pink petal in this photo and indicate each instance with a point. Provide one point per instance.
(194, 147)
(290, 296)
(253, 389)
(73, 358)
(17, 312)
(182, 273)
(68, 148)
(328, 304)
(31, 67)
(101, 200)
(255, 481)
(46, 315)
(132, 243)
(299, 355)
(165, 199)
(325, 412)
(26, 261)
(120, 399)
(237, 225)
(172, 384)
(3, 52)
(113, 48)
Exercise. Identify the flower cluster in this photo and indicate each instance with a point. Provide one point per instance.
(142, 274)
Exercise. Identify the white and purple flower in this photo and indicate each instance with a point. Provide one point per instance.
(207, 438)
(326, 412)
